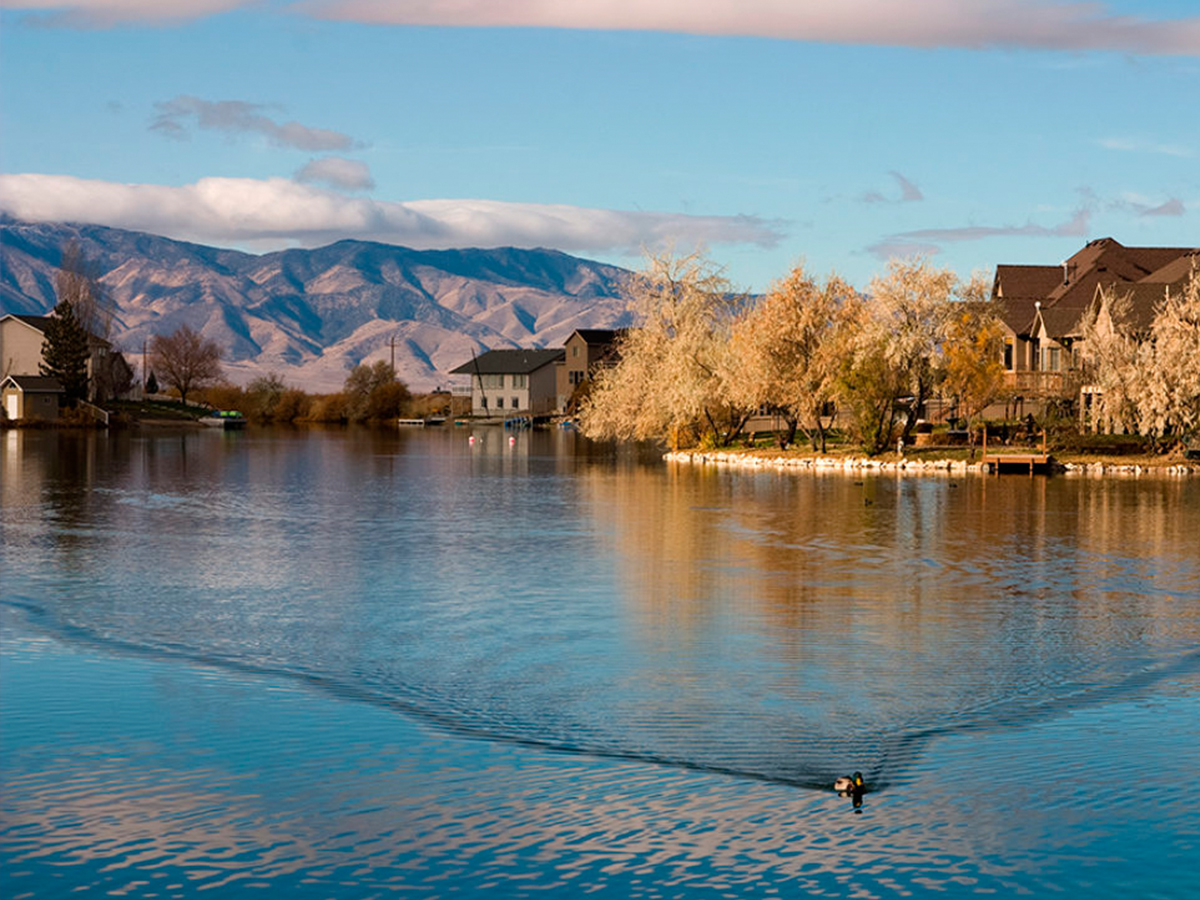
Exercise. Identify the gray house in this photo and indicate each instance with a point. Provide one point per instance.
(513, 382)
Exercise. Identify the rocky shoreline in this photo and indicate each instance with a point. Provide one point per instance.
(903, 466)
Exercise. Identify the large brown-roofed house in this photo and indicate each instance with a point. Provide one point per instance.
(1043, 307)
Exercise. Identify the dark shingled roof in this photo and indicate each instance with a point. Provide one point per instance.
(1144, 299)
(509, 362)
(36, 384)
(598, 335)
(38, 322)
(1102, 263)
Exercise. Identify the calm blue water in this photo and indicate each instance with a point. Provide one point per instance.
(359, 664)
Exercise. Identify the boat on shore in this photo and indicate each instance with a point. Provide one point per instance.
(228, 419)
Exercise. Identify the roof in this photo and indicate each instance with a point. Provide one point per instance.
(1102, 263)
(597, 335)
(35, 384)
(509, 362)
(38, 322)
(1143, 300)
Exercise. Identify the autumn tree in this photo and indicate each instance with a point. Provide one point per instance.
(673, 373)
(65, 352)
(373, 393)
(786, 353)
(1169, 403)
(185, 360)
(867, 383)
(263, 395)
(1109, 353)
(973, 347)
(909, 306)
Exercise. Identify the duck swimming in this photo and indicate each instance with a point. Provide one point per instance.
(851, 784)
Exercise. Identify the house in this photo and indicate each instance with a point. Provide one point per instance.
(1044, 307)
(21, 339)
(586, 350)
(518, 382)
(30, 397)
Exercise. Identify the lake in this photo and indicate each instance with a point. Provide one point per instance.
(375, 663)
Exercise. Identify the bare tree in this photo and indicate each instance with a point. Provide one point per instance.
(78, 283)
(186, 360)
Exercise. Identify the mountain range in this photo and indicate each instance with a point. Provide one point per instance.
(310, 315)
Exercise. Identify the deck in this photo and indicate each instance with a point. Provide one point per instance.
(1029, 460)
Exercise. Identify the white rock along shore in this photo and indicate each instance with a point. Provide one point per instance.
(735, 459)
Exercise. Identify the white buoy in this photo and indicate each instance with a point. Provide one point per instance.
(511, 440)
(471, 439)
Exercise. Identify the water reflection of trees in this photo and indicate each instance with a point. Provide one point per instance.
(899, 603)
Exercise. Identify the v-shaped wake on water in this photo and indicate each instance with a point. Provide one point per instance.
(740, 740)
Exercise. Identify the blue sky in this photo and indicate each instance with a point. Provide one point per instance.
(769, 131)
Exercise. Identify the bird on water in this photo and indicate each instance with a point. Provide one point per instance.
(849, 783)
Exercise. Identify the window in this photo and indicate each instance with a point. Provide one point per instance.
(515, 404)
(491, 381)
(575, 350)
(1054, 363)
(575, 377)
(519, 381)
(499, 403)
(1008, 355)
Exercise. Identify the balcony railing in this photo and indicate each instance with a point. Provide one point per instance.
(1043, 384)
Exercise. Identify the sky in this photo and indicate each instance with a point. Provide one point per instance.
(833, 133)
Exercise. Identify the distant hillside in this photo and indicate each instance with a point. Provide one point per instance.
(311, 315)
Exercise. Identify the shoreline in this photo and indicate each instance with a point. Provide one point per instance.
(754, 460)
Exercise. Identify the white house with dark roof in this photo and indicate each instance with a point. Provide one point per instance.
(517, 382)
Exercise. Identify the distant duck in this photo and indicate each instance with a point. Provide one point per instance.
(851, 784)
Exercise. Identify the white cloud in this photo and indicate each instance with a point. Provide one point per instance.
(238, 116)
(1141, 145)
(280, 212)
(104, 13)
(337, 172)
(1033, 24)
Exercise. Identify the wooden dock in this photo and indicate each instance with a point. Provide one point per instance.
(1020, 461)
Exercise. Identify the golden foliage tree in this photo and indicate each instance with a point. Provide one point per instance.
(673, 374)
(785, 351)
(973, 372)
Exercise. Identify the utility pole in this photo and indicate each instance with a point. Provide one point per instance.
(393, 356)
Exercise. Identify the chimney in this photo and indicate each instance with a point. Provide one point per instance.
(1066, 272)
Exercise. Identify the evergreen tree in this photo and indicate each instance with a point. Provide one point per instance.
(152, 384)
(65, 352)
